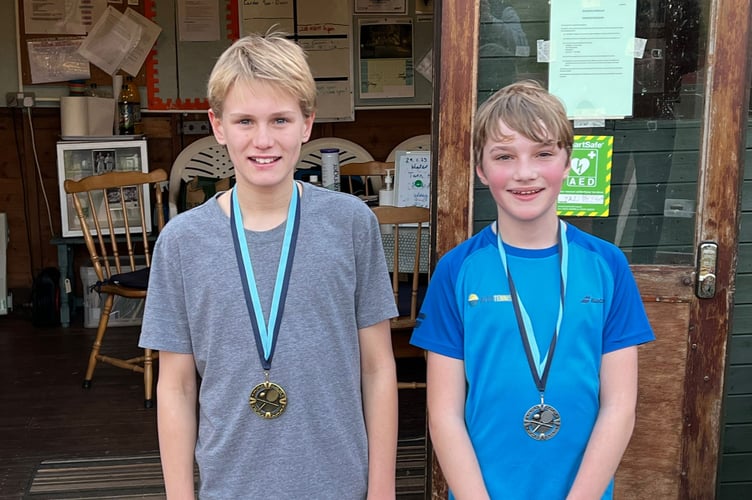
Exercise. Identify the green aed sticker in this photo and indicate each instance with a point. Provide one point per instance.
(586, 191)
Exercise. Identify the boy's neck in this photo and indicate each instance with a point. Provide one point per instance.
(262, 209)
(532, 235)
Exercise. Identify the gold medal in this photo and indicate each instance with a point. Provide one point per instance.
(268, 400)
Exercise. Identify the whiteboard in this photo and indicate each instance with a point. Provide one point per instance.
(412, 178)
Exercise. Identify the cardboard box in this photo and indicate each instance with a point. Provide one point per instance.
(125, 312)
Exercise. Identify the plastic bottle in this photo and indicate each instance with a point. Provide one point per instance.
(386, 198)
(129, 109)
(330, 168)
(386, 195)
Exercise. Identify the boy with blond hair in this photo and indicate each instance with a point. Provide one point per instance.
(275, 295)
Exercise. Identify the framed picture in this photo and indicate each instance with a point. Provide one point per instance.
(76, 160)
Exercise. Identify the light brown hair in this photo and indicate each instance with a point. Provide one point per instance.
(527, 108)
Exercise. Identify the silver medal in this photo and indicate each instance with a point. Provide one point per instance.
(542, 422)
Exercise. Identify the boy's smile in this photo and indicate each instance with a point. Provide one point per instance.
(524, 178)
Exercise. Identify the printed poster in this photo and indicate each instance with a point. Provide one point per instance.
(386, 59)
(586, 191)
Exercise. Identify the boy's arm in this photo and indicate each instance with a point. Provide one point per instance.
(379, 386)
(446, 419)
(613, 427)
(176, 420)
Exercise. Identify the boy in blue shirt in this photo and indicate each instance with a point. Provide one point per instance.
(531, 326)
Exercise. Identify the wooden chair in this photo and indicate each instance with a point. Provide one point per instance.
(406, 294)
(373, 171)
(115, 217)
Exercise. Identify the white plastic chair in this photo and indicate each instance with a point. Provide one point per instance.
(310, 155)
(202, 158)
(415, 143)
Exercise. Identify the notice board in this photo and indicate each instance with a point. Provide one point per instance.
(324, 29)
(177, 71)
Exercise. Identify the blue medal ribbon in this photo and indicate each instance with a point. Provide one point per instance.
(538, 367)
(265, 335)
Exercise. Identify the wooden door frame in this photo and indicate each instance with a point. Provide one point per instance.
(727, 81)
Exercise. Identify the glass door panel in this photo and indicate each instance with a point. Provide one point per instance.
(656, 150)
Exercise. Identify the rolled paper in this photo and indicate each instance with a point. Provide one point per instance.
(74, 116)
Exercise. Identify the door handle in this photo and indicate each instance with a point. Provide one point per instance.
(707, 257)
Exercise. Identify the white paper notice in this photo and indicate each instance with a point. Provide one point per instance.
(56, 16)
(57, 60)
(111, 40)
(198, 20)
(592, 57)
(425, 66)
(149, 33)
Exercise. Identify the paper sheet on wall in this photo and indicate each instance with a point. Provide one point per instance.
(386, 58)
(334, 98)
(110, 40)
(324, 30)
(591, 66)
(138, 54)
(335, 19)
(54, 17)
(57, 60)
(198, 20)
(328, 57)
(380, 6)
(260, 17)
(120, 40)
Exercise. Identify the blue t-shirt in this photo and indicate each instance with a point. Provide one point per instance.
(468, 314)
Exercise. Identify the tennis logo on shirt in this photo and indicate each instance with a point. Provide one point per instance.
(587, 299)
(474, 300)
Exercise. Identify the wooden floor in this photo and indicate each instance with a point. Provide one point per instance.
(45, 414)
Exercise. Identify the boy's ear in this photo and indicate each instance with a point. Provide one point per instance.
(481, 174)
(568, 164)
(216, 123)
(308, 127)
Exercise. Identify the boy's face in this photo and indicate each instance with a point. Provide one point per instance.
(263, 129)
(524, 176)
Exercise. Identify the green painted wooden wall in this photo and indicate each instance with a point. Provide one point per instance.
(736, 461)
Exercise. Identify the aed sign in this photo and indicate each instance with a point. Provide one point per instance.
(586, 191)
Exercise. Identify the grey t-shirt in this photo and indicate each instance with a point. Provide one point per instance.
(339, 283)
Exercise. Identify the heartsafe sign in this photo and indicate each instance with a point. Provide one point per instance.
(586, 191)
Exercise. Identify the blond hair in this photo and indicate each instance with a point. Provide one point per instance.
(269, 58)
(527, 108)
